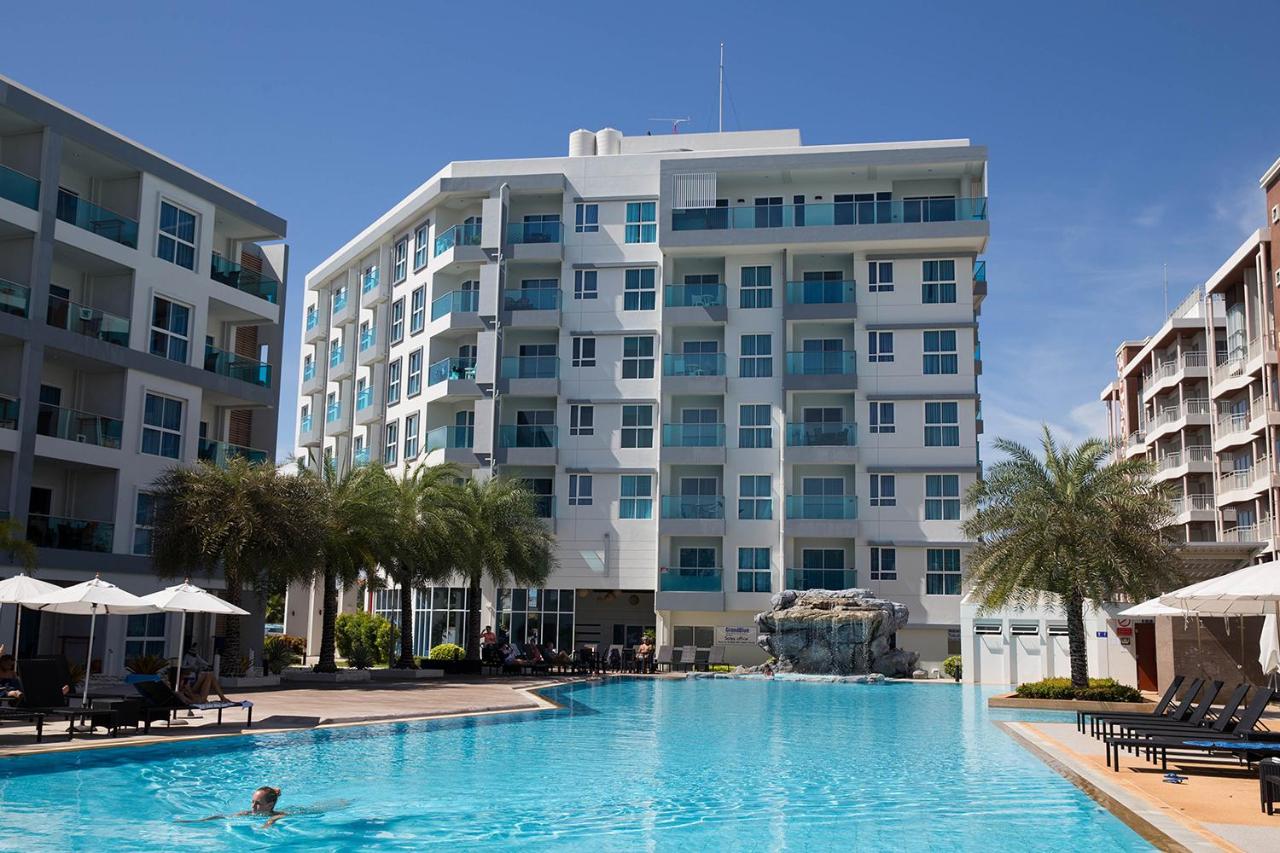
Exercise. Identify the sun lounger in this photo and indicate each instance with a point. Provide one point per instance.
(664, 657)
(715, 657)
(688, 655)
(161, 703)
(43, 679)
(1153, 744)
(1204, 718)
(701, 659)
(1269, 784)
(1159, 711)
(1180, 711)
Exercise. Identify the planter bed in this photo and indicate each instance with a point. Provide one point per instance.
(342, 676)
(404, 674)
(243, 682)
(1012, 700)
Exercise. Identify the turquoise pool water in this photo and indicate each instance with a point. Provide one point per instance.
(626, 765)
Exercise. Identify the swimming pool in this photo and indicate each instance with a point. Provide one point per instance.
(627, 764)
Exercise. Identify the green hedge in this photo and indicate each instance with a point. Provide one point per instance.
(447, 651)
(1099, 690)
(953, 667)
(364, 639)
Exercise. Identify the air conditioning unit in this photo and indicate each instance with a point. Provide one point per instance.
(86, 314)
(1228, 515)
(81, 437)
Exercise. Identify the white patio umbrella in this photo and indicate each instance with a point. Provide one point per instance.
(21, 589)
(89, 599)
(1152, 607)
(1269, 643)
(186, 598)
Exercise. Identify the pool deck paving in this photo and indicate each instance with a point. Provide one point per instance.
(1216, 808)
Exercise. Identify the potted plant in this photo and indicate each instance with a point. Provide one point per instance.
(452, 659)
(953, 667)
(145, 668)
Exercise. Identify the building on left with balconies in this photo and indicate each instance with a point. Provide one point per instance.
(141, 320)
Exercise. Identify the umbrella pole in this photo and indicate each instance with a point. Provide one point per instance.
(17, 632)
(88, 663)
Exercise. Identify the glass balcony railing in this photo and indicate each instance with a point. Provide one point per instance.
(677, 579)
(340, 300)
(335, 356)
(99, 220)
(308, 371)
(455, 367)
(313, 317)
(364, 399)
(367, 338)
(824, 363)
(455, 302)
(369, 280)
(304, 425)
(15, 298)
(220, 452)
(333, 412)
(693, 435)
(229, 364)
(693, 364)
(83, 320)
(466, 234)
(980, 272)
(533, 232)
(531, 299)
(693, 506)
(245, 280)
(693, 295)
(9, 408)
(822, 435)
(360, 457)
(451, 437)
(530, 367)
(19, 188)
(84, 427)
(802, 579)
(821, 292)
(822, 507)
(828, 214)
(526, 435)
(70, 534)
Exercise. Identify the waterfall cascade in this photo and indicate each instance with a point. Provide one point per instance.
(835, 632)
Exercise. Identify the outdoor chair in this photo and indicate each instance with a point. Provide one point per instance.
(688, 657)
(1269, 783)
(43, 679)
(1199, 719)
(715, 657)
(1196, 717)
(1241, 738)
(1179, 711)
(663, 658)
(161, 703)
(1161, 707)
(614, 658)
(701, 659)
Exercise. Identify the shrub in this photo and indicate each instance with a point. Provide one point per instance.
(1099, 690)
(147, 665)
(297, 645)
(363, 635)
(953, 667)
(278, 652)
(360, 657)
(447, 651)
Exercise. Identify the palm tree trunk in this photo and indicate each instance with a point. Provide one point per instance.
(473, 617)
(406, 628)
(230, 665)
(1076, 641)
(328, 620)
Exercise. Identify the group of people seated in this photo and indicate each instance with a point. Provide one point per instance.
(498, 650)
(198, 679)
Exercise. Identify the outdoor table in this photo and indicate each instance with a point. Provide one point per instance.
(1269, 783)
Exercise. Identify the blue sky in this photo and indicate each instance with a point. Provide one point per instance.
(1122, 136)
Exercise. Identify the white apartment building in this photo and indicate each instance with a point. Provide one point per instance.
(140, 327)
(730, 364)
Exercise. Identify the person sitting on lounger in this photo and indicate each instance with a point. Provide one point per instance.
(487, 637)
(195, 692)
(10, 684)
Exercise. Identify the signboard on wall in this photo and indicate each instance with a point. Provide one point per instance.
(736, 635)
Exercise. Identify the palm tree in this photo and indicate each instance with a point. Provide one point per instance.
(502, 539)
(243, 519)
(423, 551)
(356, 515)
(1073, 524)
(13, 541)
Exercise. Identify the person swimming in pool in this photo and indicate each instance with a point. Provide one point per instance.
(264, 803)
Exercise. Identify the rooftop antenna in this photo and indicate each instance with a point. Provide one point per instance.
(720, 99)
(675, 122)
(1166, 290)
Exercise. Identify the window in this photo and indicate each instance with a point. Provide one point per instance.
(884, 490)
(144, 518)
(637, 496)
(392, 445)
(942, 497)
(411, 437)
(584, 284)
(584, 352)
(170, 329)
(942, 571)
(176, 242)
(144, 634)
(400, 266)
(939, 282)
(757, 356)
(697, 558)
(823, 568)
(882, 418)
(579, 490)
(582, 419)
(420, 246)
(397, 321)
(753, 570)
(880, 276)
(640, 293)
(941, 425)
(755, 502)
(418, 310)
(162, 426)
(586, 218)
(637, 426)
(940, 352)
(415, 373)
(642, 222)
(880, 346)
(884, 564)
(699, 636)
(757, 287)
(393, 383)
(637, 357)
(754, 427)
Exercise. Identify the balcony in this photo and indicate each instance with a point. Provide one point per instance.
(70, 534)
(336, 355)
(19, 188)
(822, 435)
(333, 412)
(897, 211)
(220, 453)
(820, 300)
(1186, 508)
(692, 515)
(234, 366)
(691, 444)
(527, 444)
(1235, 370)
(1194, 459)
(1192, 412)
(454, 442)
(465, 234)
(367, 338)
(308, 371)
(304, 425)
(531, 299)
(802, 579)
(1243, 481)
(980, 272)
(245, 280)
(821, 370)
(530, 375)
(369, 281)
(83, 320)
(341, 299)
(105, 223)
(455, 302)
(684, 304)
(9, 409)
(690, 589)
(82, 427)
(1248, 533)
(454, 367)
(694, 373)
(533, 232)
(364, 398)
(15, 298)
(360, 457)
(822, 507)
